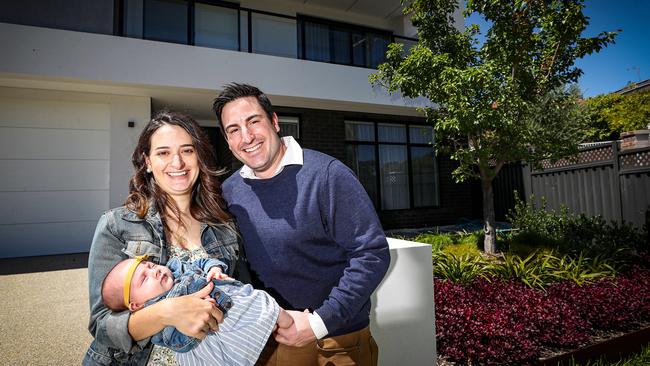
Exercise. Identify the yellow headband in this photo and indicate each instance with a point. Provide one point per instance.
(129, 275)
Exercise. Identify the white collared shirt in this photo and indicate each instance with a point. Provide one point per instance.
(292, 156)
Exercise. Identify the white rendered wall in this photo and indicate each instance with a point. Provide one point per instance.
(32, 52)
(65, 159)
(402, 317)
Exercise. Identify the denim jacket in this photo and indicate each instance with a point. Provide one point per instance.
(122, 234)
(189, 277)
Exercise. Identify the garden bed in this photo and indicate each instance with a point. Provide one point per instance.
(564, 286)
(611, 349)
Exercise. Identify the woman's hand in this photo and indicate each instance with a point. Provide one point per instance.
(194, 315)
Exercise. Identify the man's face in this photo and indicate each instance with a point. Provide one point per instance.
(149, 280)
(252, 137)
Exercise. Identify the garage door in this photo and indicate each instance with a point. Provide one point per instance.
(54, 159)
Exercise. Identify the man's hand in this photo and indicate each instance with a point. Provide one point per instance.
(299, 333)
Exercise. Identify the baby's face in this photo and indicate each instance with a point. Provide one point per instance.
(150, 280)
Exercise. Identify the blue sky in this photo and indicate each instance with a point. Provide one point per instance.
(627, 60)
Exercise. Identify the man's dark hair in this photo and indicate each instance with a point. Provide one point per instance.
(235, 91)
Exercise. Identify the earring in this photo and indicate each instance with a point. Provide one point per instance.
(148, 169)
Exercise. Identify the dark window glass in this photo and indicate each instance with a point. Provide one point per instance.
(165, 20)
(394, 180)
(359, 131)
(423, 164)
(378, 48)
(216, 27)
(363, 164)
(402, 182)
(289, 126)
(359, 48)
(343, 44)
(340, 46)
(317, 42)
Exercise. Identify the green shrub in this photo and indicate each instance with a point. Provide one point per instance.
(466, 242)
(569, 233)
(536, 257)
(463, 249)
(462, 270)
(582, 269)
(531, 271)
(437, 241)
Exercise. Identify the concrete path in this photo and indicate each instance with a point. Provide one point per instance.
(43, 315)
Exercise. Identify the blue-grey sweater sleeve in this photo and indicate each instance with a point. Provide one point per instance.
(352, 222)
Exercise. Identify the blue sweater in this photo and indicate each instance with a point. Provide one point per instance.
(313, 239)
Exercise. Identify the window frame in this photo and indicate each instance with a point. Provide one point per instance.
(122, 27)
(298, 123)
(407, 144)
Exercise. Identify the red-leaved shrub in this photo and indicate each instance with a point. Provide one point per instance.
(507, 323)
(501, 322)
(609, 304)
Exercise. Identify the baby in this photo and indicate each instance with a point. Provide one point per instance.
(249, 315)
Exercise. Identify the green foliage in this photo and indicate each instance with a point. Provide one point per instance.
(537, 270)
(530, 270)
(442, 240)
(463, 269)
(456, 257)
(611, 114)
(437, 241)
(570, 233)
(463, 249)
(502, 101)
(488, 99)
(582, 269)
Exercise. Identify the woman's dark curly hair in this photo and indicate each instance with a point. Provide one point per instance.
(207, 205)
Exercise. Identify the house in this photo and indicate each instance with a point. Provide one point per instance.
(80, 78)
(634, 87)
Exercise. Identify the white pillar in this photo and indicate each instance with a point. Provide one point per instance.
(402, 317)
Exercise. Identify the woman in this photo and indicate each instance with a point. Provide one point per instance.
(174, 209)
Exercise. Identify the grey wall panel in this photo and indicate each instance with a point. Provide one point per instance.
(53, 143)
(56, 175)
(46, 239)
(51, 206)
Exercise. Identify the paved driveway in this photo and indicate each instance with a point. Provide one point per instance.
(43, 317)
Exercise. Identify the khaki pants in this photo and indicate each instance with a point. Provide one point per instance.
(356, 348)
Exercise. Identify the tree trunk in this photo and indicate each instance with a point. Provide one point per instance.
(490, 242)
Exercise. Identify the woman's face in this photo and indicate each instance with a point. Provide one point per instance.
(173, 161)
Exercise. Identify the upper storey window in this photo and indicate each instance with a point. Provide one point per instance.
(224, 25)
(328, 41)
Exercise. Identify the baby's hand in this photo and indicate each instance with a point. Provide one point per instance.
(217, 274)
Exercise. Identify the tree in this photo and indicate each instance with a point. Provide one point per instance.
(502, 101)
(612, 114)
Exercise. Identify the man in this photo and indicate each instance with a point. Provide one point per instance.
(311, 235)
